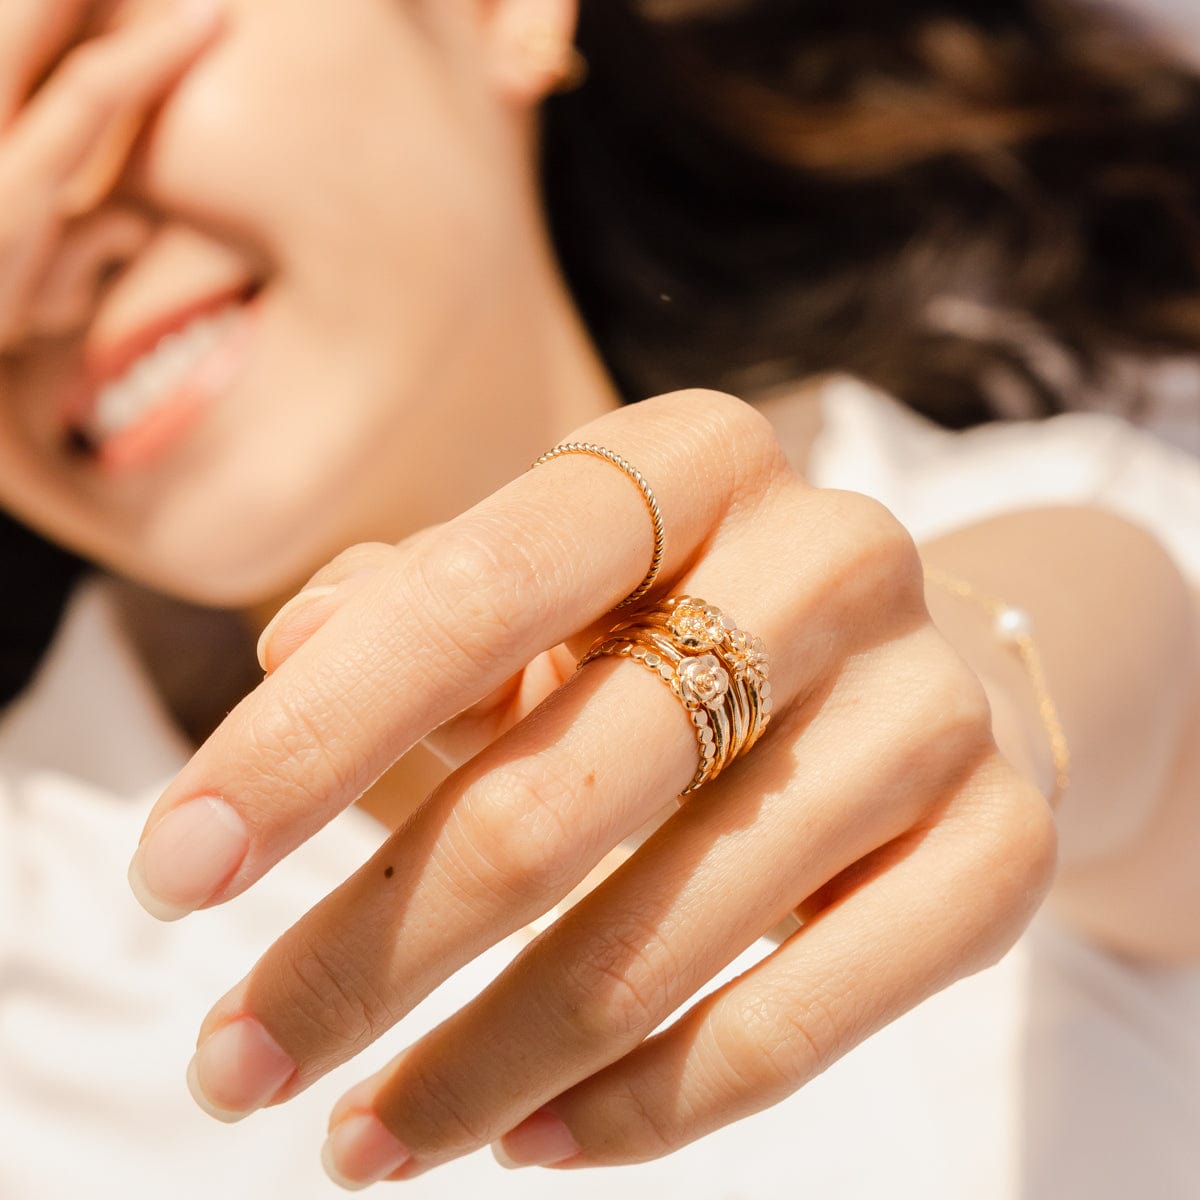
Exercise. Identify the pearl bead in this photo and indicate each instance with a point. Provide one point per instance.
(1013, 624)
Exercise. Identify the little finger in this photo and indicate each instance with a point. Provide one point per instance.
(937, 904)
(325, 991)
(721, 873)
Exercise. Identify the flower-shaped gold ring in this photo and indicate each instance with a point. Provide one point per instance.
(718, 672)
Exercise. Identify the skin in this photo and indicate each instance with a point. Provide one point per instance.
(414, 349)
(216, 211)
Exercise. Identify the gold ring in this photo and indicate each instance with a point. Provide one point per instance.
(609, 456)
(718, 672)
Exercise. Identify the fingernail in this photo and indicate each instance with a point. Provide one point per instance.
(237, 1070)
(360, 1151)
(297, 602)
(540, 1140)
(187, 856)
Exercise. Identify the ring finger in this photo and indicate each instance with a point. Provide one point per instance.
(888, 942)
(729, 865)
(474, 858)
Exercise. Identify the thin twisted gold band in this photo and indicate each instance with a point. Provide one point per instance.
(609, 456)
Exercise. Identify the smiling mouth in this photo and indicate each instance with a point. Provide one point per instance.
(131, 417)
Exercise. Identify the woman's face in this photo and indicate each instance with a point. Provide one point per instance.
(333, 217)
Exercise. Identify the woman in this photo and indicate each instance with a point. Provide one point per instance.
(173, 351)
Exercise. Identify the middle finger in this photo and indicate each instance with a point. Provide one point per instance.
(501, 841)
(494, 847)
(619, 962)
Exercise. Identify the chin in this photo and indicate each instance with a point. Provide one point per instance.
(223, 576)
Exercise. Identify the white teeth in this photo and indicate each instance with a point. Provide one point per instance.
(151, 380)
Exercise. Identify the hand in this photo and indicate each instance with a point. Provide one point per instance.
(877, 805)
(61, 150)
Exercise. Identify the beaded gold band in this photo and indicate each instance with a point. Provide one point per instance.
(718, 672)
(609, 456)
(1014, 628)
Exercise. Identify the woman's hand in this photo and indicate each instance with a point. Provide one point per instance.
(62, 149)
(876, 805)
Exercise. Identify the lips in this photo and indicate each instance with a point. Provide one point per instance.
(128, 380)
(110, 360)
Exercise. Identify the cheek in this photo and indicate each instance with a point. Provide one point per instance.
(328, 142)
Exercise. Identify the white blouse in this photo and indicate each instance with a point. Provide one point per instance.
(1060, 1072)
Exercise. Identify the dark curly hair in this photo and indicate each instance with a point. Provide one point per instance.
(977, 206)
(974, 205)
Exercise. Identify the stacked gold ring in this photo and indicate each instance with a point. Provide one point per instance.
(718, 672)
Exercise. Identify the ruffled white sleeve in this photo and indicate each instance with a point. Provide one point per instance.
(935, 480)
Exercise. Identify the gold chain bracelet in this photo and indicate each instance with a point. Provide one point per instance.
(1013, 627)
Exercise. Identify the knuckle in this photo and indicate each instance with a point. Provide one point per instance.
(880, 556)
(890, 547)
(468, 582)
(747, 441)
(750, 440)
(704, 405)
(318, 983)
(948, 703)
(436, 1113)
(1019, 833)
(745, 1050)
(794, 1040)
(639, 1132)
(288, 742)
(735, 416)
(512, 833)
(618, 988)
(1032, 839)
(1013, 860)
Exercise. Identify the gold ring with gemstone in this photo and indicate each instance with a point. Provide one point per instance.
(718, 672)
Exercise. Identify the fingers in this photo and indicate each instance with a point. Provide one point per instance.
(496, 848)
(98, 94)
(585, 995)
(63, 298)
(21, 265)
(105, 77)
(907, 925)
(97, 175)
(876, 557)
(459, 616)
(336, 583)
(492, 849)
(32, 34)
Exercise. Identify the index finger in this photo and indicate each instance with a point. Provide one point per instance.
(458, 615)
(115, 74)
